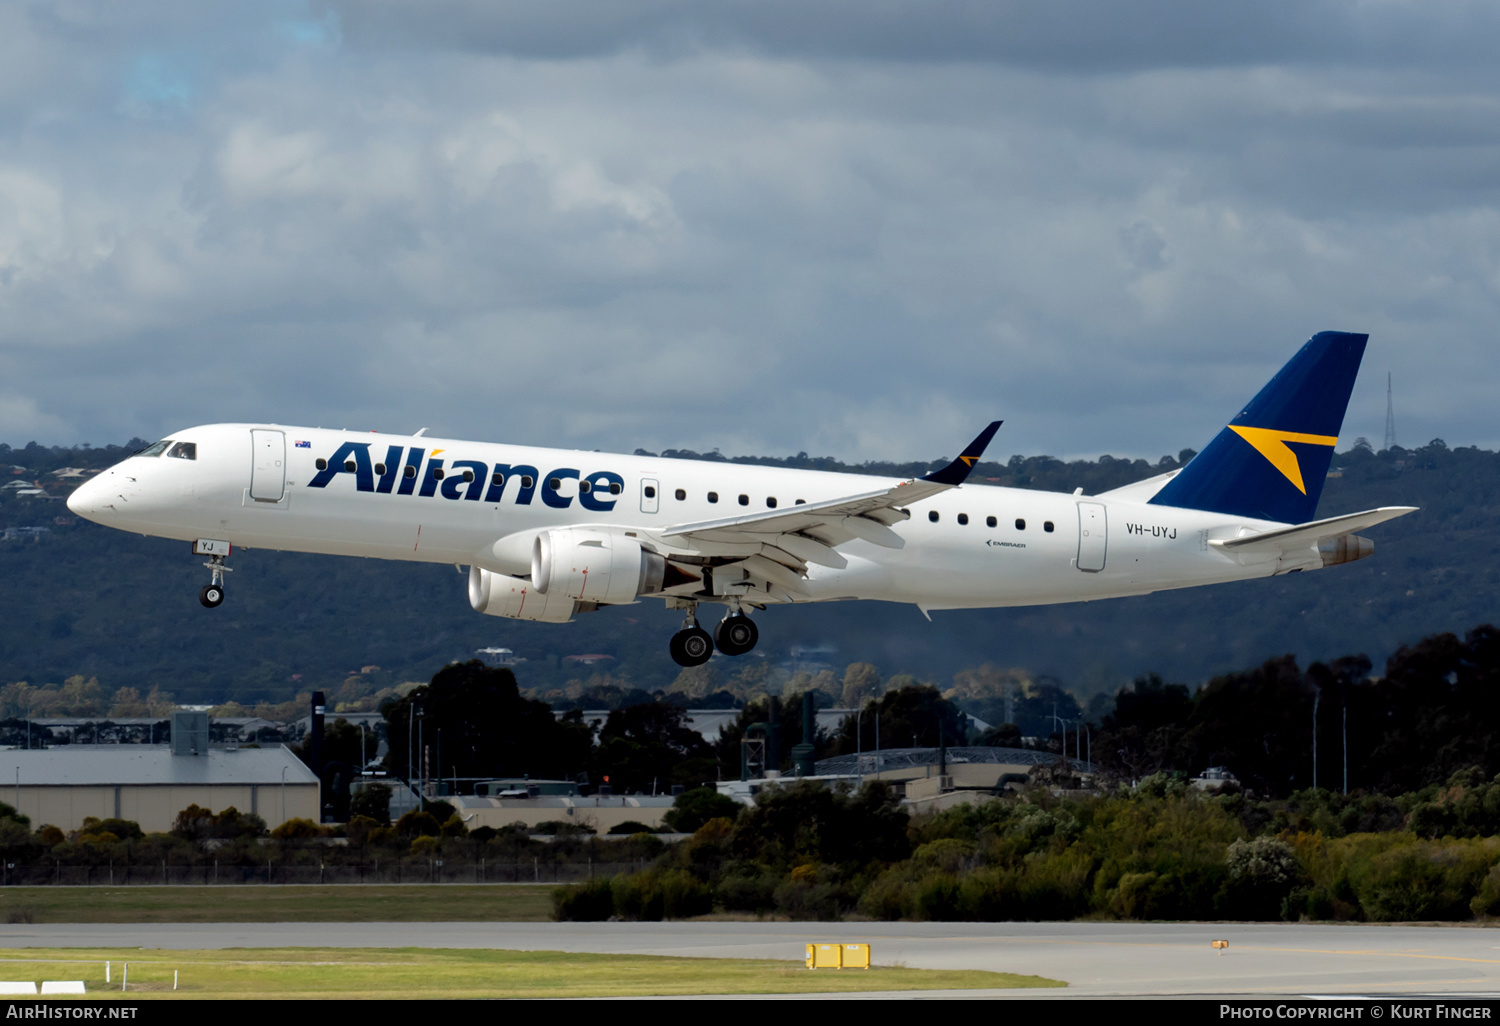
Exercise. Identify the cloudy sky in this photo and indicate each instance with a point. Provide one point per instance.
(860, 228)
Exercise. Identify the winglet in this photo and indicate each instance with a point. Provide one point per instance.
(958, 471)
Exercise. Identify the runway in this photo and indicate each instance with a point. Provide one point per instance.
(1096, 959)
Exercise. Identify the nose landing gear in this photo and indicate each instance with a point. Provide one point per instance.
(212, 594)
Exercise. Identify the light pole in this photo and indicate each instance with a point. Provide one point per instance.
(421, 756)
(1317, 695)
(858, 748)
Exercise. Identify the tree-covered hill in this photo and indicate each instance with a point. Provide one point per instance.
(82, 599)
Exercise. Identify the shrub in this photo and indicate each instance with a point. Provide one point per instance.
(630, 826)
(809, 900)
(691, 809)
(297, 830)
(562, 828)
(746, 887)
(360, 829)
(638, 896)
(589, 902)
(889, 897)
(418, 824)
(936, 897)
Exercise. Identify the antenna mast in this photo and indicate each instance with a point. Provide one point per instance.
(1390, 416)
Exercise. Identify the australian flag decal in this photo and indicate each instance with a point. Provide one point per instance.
(302, 445)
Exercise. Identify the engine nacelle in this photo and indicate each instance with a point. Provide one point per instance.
(593, 565)
(498, 595)
(1346, 548)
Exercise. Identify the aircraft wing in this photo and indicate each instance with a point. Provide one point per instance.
(1272, 544)
(777, 544)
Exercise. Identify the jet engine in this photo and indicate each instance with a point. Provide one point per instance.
(500, 595)
(591, 565)
(1346, 548)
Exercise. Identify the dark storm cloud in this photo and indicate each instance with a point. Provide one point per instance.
(1067, 36)
(861, 229)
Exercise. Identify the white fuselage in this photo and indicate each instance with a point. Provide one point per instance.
(987, 546)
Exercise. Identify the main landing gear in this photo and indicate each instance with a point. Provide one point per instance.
(212, 594)
(734, 635)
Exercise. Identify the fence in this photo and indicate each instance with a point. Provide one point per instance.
(410, 871)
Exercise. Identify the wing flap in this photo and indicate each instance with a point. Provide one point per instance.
(867, 515)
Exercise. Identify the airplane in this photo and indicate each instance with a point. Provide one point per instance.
(547, 534)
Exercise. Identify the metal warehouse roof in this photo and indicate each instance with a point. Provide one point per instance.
(147, 765)
(889, 759)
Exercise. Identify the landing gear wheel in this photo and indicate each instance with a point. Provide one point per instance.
(691, 646)
(736, 635)
(212, 595)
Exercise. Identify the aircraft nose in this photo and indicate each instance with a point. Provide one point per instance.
(85, 500)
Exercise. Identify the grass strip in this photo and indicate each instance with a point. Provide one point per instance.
(419, 973)
(332, 903)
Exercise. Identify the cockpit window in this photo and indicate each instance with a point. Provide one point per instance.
(184, 451)
(157, 449)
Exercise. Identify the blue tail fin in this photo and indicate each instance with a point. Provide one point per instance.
(1270, 462)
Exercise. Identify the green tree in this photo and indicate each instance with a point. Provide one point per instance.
(693, 808)
(645, 745)
(911, 716)
(475, 723)
(373, 801)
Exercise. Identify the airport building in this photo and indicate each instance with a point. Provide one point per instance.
(601, 813)
(151, 784)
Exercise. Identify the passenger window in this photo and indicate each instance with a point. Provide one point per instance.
(614, 488)
(744, 500)
(932, 515)
(498, 480)
(1020, 524)
(411, 471)
(350, 467)
(1047, 527)
(322, 464)
(155, 450)
(184, 451)
(527, 481)
(584, 488)
(468, 475)
(963, 519)
(800, 502)
(681, 494)
(650, 492)
(990, 521)
(380, 469)
(437, 473)
(554, 483)
(713, 496)
(771, 502)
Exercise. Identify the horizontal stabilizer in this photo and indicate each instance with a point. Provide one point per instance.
(1272, 543)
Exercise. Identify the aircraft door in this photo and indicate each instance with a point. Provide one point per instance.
(268, 465)
(650, 495)
(1092, 535)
